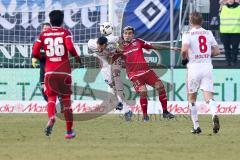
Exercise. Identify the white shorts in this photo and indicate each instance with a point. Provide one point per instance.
(199, 76)
(107, 74)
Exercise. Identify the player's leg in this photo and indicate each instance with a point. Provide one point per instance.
(119, 89)
(106, 72)
(52, 97)
(51, 114)
(118, 85)
(67, 111)
(64, 90)
(208, 89)
(153, 80)
(144, 102)
(213, 108)
(193, 83)
(107, 76)
(141, 89)
(193, 111)
(163, 99)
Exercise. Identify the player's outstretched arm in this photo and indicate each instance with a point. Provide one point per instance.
(70, 47)
(147, 45)
(162, 47)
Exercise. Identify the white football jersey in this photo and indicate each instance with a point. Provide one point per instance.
(111, 47)
(106, 68)
(200, 42)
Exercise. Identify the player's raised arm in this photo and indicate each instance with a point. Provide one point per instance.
(147, 45)
(162, 47)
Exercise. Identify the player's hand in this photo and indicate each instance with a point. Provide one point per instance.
(34, 62)
(119, 46)
(79, 61)
(184, 61)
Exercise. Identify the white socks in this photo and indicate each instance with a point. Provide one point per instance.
(194, 115)
(213, 107)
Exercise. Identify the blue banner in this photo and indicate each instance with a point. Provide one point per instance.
(151, 18)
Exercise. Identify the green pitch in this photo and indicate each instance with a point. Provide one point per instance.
(111, 138)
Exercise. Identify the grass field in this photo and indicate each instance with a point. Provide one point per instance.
(110, 137)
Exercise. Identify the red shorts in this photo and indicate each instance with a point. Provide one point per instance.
(57, 84)
(149, 78)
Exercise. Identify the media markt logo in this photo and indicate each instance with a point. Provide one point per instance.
(152, 56)
(150, 11)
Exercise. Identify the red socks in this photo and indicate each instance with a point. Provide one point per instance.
(66, 101)
(163, 100)
(144, 103)
(51, 106)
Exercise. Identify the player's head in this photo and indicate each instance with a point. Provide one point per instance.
(128, 33)
(195, 19)
(56, 18)
(45, 26)
(102, 43)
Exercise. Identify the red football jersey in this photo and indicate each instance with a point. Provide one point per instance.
(134, 59)
(56, 42)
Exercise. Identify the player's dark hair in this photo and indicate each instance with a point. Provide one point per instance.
(46, 24)
(128, 28)
(196, 18)
(56, 17)
(102, 40)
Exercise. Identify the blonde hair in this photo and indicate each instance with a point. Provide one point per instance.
(196, 18)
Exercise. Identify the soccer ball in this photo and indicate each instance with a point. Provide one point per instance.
(106, 28)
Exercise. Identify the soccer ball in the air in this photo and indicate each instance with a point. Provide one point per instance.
(106, 28)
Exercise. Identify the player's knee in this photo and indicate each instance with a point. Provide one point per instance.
(111, 84)
(192, 97)
(116, 73)
(210, 101)
(159, 85)
(143, 94)
(161, 89)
